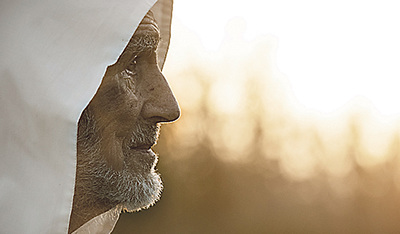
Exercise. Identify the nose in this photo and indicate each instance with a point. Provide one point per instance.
(160, 104)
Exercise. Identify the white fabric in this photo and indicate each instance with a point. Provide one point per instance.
(101, 224)
(53, 55)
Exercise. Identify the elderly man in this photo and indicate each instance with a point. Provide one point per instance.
(59, 174)
(117, 130)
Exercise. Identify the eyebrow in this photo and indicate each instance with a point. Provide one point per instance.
(145, 41)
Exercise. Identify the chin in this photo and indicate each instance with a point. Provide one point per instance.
(136, 186)
(145, 184)
(150, 193)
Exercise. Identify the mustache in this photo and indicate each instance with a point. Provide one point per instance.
(143, 135)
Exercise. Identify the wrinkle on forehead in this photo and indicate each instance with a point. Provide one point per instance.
(146, 36)
(148, 23)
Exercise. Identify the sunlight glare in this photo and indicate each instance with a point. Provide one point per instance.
(330, 51)
(225, 97)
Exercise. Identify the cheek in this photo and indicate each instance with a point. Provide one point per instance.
(130, 107)
(118, 106)
(127, 112)
(131, 99)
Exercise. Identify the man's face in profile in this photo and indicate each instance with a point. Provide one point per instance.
(116, 165)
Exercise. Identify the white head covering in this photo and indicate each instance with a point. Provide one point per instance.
(53, 56)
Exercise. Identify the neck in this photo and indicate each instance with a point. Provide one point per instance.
(82, 213)
(85, 207)
(84, 210)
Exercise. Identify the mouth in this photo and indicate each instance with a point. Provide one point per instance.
(141, 157)
(145, 147)
(143, 137)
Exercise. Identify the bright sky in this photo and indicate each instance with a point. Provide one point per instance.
(331, 51)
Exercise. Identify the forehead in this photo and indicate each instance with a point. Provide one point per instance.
(145, 39)
(146, 36)
(148, 26)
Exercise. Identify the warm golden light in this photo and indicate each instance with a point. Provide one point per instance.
(331, 52)
(290, 121)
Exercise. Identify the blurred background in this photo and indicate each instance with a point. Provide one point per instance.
(290, 120)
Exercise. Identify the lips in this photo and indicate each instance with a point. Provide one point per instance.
(143, 137)
(144, 144)
(141, 147)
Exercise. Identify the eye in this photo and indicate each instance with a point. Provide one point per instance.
(129, 73)
(131, 68)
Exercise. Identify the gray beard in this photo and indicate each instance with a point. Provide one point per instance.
(136, 186)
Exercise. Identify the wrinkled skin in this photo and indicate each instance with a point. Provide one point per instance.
(118, 128)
